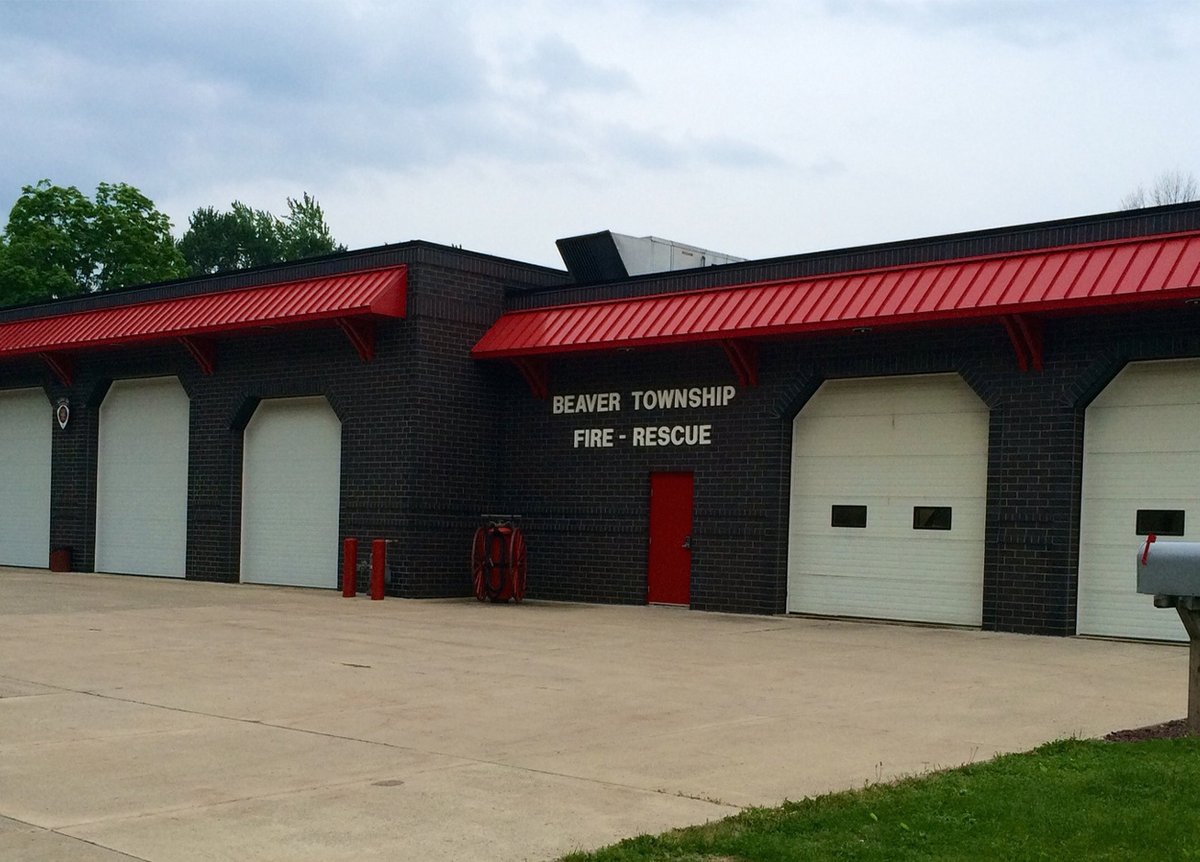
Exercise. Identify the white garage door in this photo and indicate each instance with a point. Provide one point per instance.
(142, 477)
(291, 482)
(25, 428)
(1141, 453)
(889, 479)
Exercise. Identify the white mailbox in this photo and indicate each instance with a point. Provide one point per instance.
(1169, 568)
(1170, 571)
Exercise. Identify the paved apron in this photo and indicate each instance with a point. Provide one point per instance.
(165, 720)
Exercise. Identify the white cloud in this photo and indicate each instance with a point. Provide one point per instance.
(761, 127)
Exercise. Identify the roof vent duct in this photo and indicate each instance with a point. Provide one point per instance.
(608, 256)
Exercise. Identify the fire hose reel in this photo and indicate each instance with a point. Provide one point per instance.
(498, 560)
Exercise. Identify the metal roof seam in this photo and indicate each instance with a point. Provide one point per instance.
(1148, 268)
(1192, 279)
(904, 287)
(1090, 287)
(790, 303)
(804, 301)
(696, 320)
(761, 299)
(1006, 275)
(1021, 286)
(858, 295)
(616, 322)
(826, 300)
(1180, 252)
(1118, 279)
(918, 302)
(883, 294)
(1047, 275)
(655, 314)
(781, 306)
(713, 306)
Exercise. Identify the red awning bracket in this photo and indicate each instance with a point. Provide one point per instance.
(536, 374)
(203, 350)
(361, 334)
(743, 356)
(62, 365)
(1025, 333)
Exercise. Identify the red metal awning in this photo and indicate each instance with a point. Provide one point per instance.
(369, 294)
(1139, 271)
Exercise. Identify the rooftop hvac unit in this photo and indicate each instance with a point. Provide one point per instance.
(608, 256)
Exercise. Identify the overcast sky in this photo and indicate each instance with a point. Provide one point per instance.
(756, 128)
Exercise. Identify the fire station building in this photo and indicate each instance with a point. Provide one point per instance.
(976, 429)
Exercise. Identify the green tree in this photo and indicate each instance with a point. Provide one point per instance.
(132, 239)
(221, 241)
(58, 242)
(243, 237)
(304, 232)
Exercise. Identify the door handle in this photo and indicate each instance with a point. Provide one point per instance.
(687, 543)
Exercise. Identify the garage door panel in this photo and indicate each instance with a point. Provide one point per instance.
(25, 463)
(1112, 476)
(1154, 384)
(1110, 602)
(1141, 451)
(869, 595)
(890, 435)
(1143, 429)
(936, 478)
(880, 555)
(291, 484)
(924, 444)
(142, 477)
(1149, 467)
(863, 396)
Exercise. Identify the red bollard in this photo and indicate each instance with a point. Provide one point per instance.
(350, 568)
(378, 558)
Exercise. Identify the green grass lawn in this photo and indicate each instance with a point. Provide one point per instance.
(1075, 799)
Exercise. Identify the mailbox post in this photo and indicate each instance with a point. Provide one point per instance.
(1171, 573)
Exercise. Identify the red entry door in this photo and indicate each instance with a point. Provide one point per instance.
(669, 578)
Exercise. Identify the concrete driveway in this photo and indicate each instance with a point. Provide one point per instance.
(166, 720)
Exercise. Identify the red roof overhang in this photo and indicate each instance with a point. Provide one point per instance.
(1132, 272)
(377, 293)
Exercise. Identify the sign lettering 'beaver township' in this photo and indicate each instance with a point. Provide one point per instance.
(643, 436)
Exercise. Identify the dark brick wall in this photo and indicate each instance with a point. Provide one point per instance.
(419, 422)
(586, 510)
(454, 437)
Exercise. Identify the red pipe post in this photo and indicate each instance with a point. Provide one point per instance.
(378, 559)
(349, 568)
